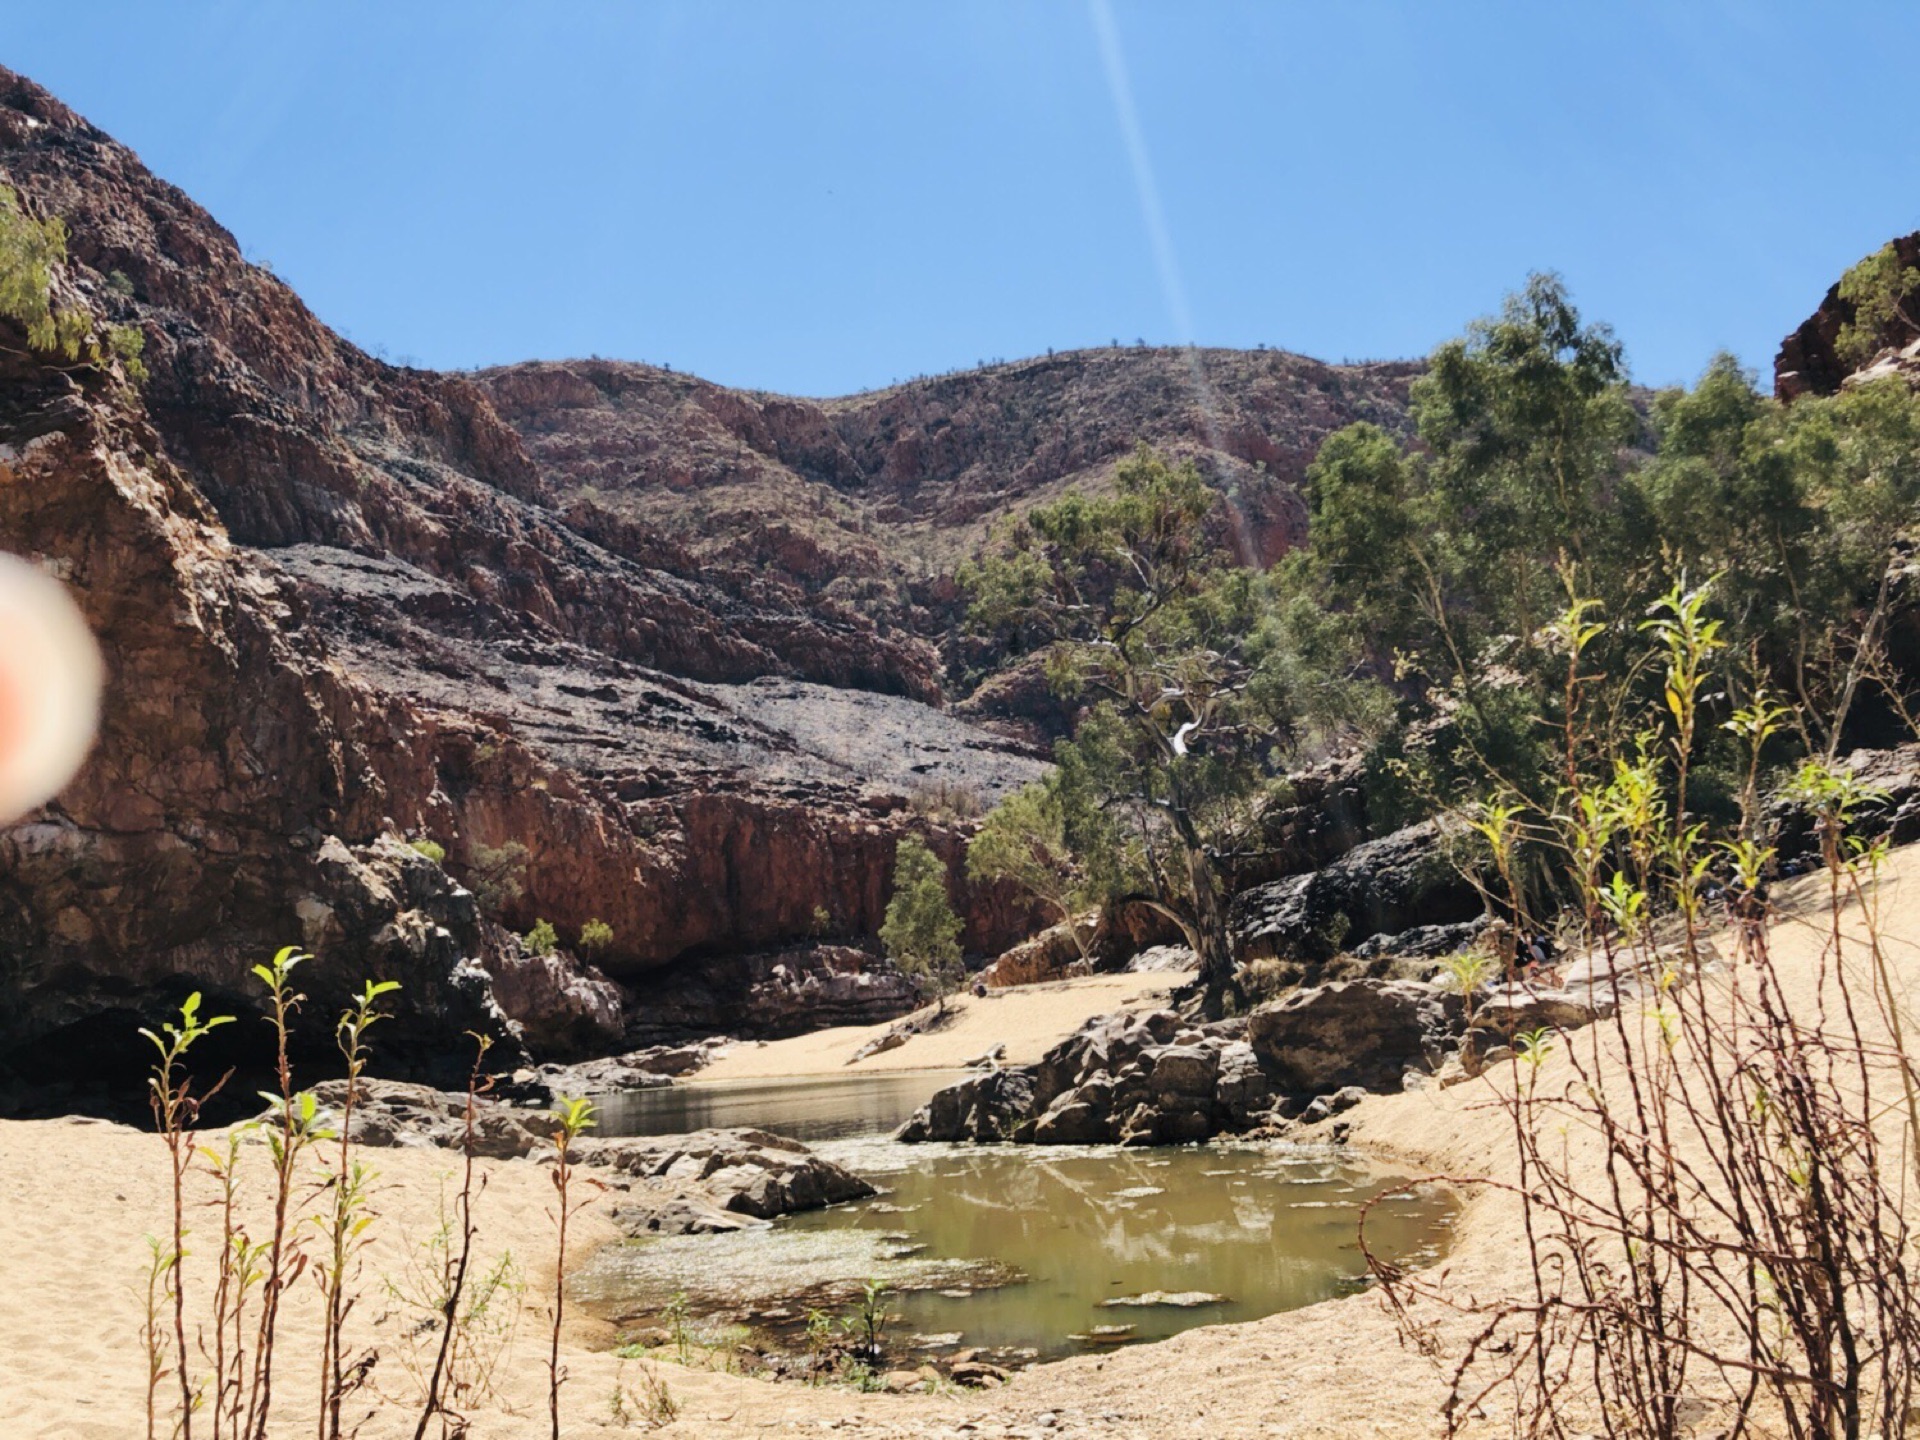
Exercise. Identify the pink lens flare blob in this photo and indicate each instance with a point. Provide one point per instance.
(50, 679)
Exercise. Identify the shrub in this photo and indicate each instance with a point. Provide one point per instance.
(595, 937)
(542, 939)
(432, 849)
(497, 875)
(921, 932)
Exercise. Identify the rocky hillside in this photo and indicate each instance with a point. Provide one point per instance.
(1809, 361)
(862, 508)
(654, 652)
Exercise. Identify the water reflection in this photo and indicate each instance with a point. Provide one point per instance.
(1024, 1247)
(833, 1108)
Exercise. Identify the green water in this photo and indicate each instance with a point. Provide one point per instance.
(836, 1107)
(1013, 1249)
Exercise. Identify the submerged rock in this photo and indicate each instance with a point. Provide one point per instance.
(1171, 1299)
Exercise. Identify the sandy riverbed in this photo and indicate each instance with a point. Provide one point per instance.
(77, 1197)
(1027, 1020)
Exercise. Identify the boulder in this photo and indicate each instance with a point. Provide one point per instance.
(1387, 886)
(1073, 1121)
(686, 1214)
(1185, 1070)
(983, 1107)
(397, 1112)
(743, 1172)
(1354, 1032)
(1522, 1008)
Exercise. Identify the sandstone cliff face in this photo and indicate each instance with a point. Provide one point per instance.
(339, 608)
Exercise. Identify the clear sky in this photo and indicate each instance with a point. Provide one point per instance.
(818, 197)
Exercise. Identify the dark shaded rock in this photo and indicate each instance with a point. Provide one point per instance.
(1808, 362)
(1384, 886)
(1894, 811)
(1422, 942)
(1324, 1107)
(982, 1107)
(1354, 1032)
(773, 995)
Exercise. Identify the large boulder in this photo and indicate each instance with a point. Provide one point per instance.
(1399, 882)
(981, 1107)
(1355, 1032)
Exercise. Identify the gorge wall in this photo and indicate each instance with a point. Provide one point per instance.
(627, 645)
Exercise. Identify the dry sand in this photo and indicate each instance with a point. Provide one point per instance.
(1026, 1020)
(76, 1198)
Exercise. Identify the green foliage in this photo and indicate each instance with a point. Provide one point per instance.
(1533, 480)
(432, 849)
(497, 875)
(31, 251)
(1202, 678)
(868, 1322)
(1024, 841)
(596, 937)
(1885, 295)
(921, 932)
(542, 939)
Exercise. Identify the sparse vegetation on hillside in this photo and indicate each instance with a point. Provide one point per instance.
(1885, 295)
(31, 252)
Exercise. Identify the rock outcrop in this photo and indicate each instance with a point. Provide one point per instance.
(1809, 361)
(1155, 1078)
(1380, 887)
(1365, 1033)
(699, 1183)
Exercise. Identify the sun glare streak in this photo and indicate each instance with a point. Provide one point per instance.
(1160, 239)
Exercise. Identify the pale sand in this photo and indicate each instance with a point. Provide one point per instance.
(75, 1199)
(1028, 1020)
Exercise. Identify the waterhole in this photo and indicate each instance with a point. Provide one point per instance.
(1025, 1252)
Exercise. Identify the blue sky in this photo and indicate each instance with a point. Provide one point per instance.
(821, 197)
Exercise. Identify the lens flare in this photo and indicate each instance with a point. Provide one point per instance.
(50, 679)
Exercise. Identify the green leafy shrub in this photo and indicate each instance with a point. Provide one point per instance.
(30, 252)
(432, 849)
(596, 936)
(542, 939)
(921, 932)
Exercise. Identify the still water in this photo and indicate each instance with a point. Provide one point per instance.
(1028, 1251)
(837, 1107)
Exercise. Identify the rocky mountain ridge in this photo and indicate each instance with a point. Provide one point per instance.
(345, 604)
